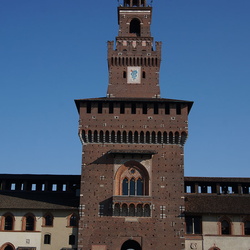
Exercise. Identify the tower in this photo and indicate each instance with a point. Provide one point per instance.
(132, 182)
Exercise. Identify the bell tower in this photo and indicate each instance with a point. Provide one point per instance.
(134, 63)
(132, 181)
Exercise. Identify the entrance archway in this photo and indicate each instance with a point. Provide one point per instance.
(7, 246)
(131, 245)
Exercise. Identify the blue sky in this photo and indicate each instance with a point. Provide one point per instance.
(54, 51)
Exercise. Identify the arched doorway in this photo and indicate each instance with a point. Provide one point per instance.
(7, 246)
(131, 245)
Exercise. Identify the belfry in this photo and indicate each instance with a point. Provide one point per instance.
(132, 181)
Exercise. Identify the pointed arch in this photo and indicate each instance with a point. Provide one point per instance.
(7, 246)
(131, 178)
(48, 220)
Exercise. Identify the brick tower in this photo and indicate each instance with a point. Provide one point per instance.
(132, 159)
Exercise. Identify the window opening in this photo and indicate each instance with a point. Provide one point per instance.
(132, 187)
(147, 211)
(73, 220)
(139, 186)
(122, 108)
(193, 225)
(136, 137)
(88, 107)
(124, 210)
(117, 210)
(119, 137)
(47, 238)
(156, 111)
(225, 227)
(30, 223)
(147, 137)
(135, 27)
(124, 137)
(124, 74)
(178, 109)
(125, 186)
(8, 225)
(101, 136)
(247, 227)
(142, 137)
(99, 108)
(159, 137)
(111, 107)
(113, 136)
(145, 108)
(130, 137)
(133, 108)
(167, 109)
(48, 220)
(95, 136)
(144, 74)
(72, 239)
(153, 137)
(107, 137)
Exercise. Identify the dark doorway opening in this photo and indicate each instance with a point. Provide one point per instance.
(131, 245)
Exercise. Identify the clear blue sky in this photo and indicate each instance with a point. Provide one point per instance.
(54, 51)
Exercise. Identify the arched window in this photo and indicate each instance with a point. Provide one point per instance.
(95, 136)
(117, 209)
(124, 137)
(124, 210)
(130, 137)
(171, 138)
(132, 210)
(247, 228)
(132, 179)
(136, 137)
(72, 239)
(159, 137)
(7, 222)
(153, 137)
(225, 227)
(147, 211)
(125, 186)
(135, 27)
(107, 136)
(29, 222)
(101, 137)
(47, 239)
(139, 189)
(48, 220)
(73, 220)
(113, 136)
(147, 137)
(142, 137)
(165, 138)
(139, 212)
(176, 138)
(89, 136)
(183, 138)
(132, 186)
(119, 137)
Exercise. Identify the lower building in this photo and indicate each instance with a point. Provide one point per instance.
(41, 212)
(38, 212)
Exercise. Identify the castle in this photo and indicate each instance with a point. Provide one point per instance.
(132, 193)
